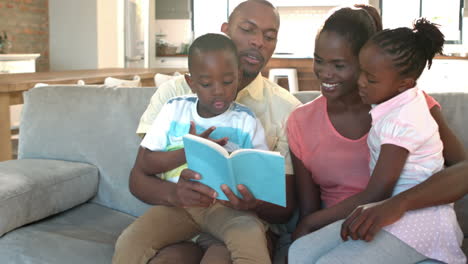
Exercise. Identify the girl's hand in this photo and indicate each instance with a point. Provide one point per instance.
(205, 134)
(246, 203)
(367, 220)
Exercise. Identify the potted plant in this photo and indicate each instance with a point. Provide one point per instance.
(5, 43)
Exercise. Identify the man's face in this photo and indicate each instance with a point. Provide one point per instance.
(253, 29)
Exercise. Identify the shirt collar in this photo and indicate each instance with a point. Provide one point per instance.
(379, 110)
(255, 88)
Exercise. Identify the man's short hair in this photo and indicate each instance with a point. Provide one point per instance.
(239, 7)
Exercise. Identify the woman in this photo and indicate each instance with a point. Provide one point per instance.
(328, 137)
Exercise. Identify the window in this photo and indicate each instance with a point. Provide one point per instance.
(402, 13)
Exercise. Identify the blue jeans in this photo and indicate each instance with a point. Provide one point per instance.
(326, 246)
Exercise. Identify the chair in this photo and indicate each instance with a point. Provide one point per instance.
(160, 78)
(115, 82)
(289, 73)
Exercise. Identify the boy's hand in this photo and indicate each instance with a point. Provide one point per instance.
(246, 203)
(192, 193)
(205, 134)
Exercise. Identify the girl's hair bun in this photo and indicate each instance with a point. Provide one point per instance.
(429, 38)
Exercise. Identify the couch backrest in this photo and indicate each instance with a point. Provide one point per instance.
(91, 124)
(97, 125)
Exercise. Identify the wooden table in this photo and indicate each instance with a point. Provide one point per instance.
(13, 85)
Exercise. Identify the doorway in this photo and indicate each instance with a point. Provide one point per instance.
(136, 33)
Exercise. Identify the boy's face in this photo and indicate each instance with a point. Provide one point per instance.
(379, 80)
(214, 78)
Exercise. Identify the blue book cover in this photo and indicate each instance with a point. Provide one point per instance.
(261, 171)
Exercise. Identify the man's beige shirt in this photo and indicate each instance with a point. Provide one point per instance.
(271, 104)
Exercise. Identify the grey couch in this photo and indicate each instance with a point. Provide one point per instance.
(66, 199)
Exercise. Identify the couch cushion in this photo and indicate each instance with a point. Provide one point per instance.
(34, 189)
(88, 124)
(85, 234)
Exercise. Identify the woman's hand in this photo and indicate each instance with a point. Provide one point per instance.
(309, 224)
(302, 229)
(206, 134)
(367, 220)
(190, 193)
(246, 203)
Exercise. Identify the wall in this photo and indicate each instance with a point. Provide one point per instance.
(27, 25)
(85, 34)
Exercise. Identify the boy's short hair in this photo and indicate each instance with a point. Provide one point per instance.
(211, 42)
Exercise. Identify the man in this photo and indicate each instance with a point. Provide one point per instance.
(253, 26)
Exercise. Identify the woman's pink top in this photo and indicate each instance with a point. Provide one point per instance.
(339, 165)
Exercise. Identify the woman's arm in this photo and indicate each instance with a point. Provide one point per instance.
(308, 192)
(388, 168)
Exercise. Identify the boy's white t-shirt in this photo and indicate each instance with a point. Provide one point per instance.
(238, 124)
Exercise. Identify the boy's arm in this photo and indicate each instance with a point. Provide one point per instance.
(389, 165)
(162, 161)
(153, 190)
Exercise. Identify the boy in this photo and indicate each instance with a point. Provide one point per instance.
(214, 77)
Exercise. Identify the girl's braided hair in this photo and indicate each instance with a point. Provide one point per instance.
(410, 49)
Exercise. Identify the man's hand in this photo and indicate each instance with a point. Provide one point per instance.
(192, 193)
(246, 203)
(206, 134)
(367, 220)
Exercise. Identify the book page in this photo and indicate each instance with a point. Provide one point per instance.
(263, 173)
(209, 162)
(209, 143)
(248, 151)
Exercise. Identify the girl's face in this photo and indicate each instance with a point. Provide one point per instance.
(214, 78)
(379, 80)
(335, 65)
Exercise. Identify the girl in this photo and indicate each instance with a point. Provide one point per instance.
(328, 140)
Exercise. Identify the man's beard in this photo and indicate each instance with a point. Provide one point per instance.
(249, 74)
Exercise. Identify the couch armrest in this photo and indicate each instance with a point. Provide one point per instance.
(32, 189)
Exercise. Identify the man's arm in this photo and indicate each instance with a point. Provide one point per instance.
(367, 220)
(453, 180)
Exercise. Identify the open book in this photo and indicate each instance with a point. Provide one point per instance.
(261, 171)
